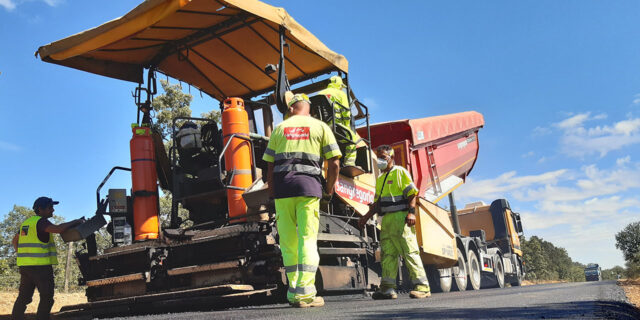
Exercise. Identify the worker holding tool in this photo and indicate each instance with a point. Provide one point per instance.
(342, 115)
(295, 155)
(36, 253)
(396, 203)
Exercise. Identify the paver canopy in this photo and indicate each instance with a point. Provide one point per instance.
(220, 47)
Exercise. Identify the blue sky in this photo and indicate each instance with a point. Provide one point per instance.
(557, 82)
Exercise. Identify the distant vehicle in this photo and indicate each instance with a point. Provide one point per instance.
(593, 272)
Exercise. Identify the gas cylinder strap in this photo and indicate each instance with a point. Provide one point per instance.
(239, 171)
(145, 193)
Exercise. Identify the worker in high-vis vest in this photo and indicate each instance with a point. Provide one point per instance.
(36, 255)
(396, 203)
(342, 115)
(295, 156)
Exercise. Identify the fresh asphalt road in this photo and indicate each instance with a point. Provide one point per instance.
(582, 300)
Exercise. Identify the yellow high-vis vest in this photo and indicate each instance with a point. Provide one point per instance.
(32, 251)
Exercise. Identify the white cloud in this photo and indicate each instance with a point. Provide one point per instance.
(8, 4)
(580, 141)
(370, 103)
(542, 159)
(574, 121)
(528, 154)
(541, 131)
(489, 189)
(636, 100)
(8, 146)
(580, 210)
(623, 161)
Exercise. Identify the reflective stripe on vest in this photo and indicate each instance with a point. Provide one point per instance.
(32, 251)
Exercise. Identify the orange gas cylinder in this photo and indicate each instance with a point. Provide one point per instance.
(237, 157)
(144, 184)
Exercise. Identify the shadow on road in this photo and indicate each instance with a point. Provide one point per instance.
(598, 309)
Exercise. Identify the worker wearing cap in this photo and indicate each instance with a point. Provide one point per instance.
(36, 255)
(396, 203)
(295, 155)
(342, 115)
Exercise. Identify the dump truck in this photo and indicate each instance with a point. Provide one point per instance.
(248, 56)
(593, 272)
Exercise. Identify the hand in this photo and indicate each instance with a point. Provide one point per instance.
(410, 219)
(326, 196)
(102, 206)
(363, 221)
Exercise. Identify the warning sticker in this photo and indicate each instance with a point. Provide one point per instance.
(296, 133)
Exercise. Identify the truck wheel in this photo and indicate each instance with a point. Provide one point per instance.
(518, 281)
(439, 279)
(459, 273)
(499, 273)
(474, 271)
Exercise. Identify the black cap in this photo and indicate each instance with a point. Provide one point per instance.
(43, 202)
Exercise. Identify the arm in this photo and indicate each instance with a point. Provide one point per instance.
(270, 179)
(411, 217)
(363, 220)
(14, 242)
(60, 228)
(332, 174)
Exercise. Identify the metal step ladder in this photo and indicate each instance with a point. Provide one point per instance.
(435, 179)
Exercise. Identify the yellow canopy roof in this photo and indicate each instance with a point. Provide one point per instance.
(220, 47)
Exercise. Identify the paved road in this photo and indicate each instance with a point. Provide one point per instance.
(584, 300)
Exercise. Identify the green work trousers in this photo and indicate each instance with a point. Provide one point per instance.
(398, 239)
(297, 220)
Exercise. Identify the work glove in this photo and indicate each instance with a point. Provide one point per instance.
(102, 206)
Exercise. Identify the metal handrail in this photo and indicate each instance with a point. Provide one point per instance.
(105, 181)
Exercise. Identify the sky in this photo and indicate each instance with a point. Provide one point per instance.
(556, 81)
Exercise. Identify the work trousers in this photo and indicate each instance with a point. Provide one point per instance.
(397, 239)
(32, 277)
(297, 220)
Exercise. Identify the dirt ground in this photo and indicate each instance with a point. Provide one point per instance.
(7, 298)
(632, 290)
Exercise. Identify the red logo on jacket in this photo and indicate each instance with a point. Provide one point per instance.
(296, 133)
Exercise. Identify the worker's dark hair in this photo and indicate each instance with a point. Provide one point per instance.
(386, 148)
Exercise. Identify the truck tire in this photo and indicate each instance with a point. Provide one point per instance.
(459, 273)
(498, 272)
(474, 271)
(518, 280)
(439, 279)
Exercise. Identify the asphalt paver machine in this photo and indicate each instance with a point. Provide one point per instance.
(235, 52)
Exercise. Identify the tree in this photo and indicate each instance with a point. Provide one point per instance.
(628, 240)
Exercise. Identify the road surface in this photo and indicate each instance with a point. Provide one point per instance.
(582, 300)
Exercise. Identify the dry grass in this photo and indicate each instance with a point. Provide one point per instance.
(7, 298)
(530, 283)
(632, 290)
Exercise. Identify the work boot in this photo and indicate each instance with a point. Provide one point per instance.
(420, 291)
(315, 302)
(385, 293)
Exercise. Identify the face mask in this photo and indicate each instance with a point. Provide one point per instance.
(382, 164)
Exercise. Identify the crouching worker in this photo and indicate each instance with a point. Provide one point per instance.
(396, 203)
(295, 155)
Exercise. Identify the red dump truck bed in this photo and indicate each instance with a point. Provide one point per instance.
(438, 151)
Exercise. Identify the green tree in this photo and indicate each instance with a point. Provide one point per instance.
(612, 274)
(628, 241)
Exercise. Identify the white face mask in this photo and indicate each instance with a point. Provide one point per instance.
(382, 164)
